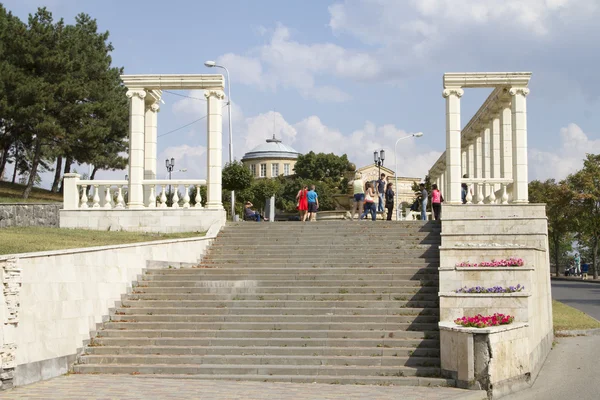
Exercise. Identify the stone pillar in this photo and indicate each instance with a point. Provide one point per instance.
(471, 160)
(443, 183)
(506, 142)
(136, 147)
(519, 144)
(477, 168)
(453, 156)
(70, 192)
(151, 124)
(463, 163)
(485, 151)
(495, 150)
(214, 133)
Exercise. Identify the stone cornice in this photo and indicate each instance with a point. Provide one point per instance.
(486, 79)
(174, 81)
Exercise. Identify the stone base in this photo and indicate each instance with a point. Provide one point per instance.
(144, 220)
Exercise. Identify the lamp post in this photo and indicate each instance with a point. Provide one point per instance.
(212, 64)
(170, 165)
(418, 134)
(379, 158)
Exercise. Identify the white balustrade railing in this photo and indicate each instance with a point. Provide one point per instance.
(476, 188)
(158, 193)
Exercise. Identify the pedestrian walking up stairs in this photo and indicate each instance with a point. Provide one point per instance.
(331, 302)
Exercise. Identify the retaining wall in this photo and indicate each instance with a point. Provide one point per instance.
(19, 214)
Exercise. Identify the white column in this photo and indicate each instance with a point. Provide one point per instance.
(485, 150)
(136, 147)
(506, 142)
(70, 191)
(471, 160)
(151, 124)
(214, 133)
(477, 167)
(519, 144)
(495, 150)
(463, 163)
(443, 186)
(453, 156)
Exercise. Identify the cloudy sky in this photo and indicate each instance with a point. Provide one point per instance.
(352, 76)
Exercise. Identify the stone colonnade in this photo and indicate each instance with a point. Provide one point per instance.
(144, 93)
(490, 153)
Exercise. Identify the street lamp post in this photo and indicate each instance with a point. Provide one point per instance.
(379, 158)
(418, 134)
(212, 64)
(170, 165)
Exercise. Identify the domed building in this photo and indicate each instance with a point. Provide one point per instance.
(271, 159)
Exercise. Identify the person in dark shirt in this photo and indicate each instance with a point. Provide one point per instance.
(389, 200)
(380, 192)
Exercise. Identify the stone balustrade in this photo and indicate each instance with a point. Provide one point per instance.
(111, 194)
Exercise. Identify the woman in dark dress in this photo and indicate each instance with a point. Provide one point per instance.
(389, 200)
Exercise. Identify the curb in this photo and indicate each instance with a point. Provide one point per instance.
(579, 332)
(565, 279)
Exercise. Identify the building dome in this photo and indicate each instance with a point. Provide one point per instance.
(272, 149)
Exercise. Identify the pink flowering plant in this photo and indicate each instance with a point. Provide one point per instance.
(494, 289)
(510, 262)
(479, 321)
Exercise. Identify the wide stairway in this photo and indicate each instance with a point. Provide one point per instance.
(331, 302)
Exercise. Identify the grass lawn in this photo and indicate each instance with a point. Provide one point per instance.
(12, 192)
(568, 318)
(29, 239)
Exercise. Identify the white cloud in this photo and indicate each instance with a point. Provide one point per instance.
(191, 158)
(567, 159)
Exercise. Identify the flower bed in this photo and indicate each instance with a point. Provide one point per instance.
(495, 289)
(479, 321)
(510, 262)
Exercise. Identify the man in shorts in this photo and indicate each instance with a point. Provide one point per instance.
(313, 203)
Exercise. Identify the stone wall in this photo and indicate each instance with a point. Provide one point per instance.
(19, 214)
(476, 233)
(51, 301)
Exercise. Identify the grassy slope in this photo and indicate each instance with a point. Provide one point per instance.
(12, 193)
(30, 239)
(568, 318)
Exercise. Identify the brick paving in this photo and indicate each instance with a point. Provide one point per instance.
(123, 387)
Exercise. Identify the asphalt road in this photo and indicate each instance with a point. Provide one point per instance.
(580, 295)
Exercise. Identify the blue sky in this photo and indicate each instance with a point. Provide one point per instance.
(351, 76)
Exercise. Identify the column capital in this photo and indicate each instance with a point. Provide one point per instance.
(219, 94)
(154, 107)
(513, 91)
(141, 93)
(453, 91)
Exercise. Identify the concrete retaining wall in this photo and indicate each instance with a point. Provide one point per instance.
(19, 214)
(52, 301)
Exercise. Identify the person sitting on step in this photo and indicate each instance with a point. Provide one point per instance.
(250, 214)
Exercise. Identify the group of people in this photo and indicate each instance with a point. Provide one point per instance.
(365, 195)
(436, 201)
(307, 202)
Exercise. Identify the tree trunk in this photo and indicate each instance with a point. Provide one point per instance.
(16, 164)
(68, 162)
(4, 159)
(34, 166)
(57, 173)
(595, 256)
(556, 255)
(94, 173)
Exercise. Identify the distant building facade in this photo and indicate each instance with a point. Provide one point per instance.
(271, 159)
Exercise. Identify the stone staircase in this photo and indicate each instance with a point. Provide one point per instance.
(331, 302)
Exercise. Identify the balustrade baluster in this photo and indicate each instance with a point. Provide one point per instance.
(469, 197)
(198, 197)
(186, 197)
(96, 198)
(152, 197)
(163, 198)
(175, 197)
(84, 198)
(107, 197)
(504, 194)
(480, 193)
(492, 196)
(120, 200)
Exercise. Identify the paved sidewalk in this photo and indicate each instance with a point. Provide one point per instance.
(124, 387)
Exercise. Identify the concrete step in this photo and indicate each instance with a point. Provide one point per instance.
(275, 342)
(257, 290)
(308, 319)
(137, 308)
(277, 269)
(256, 360)
(232, 369)
(270, 326)
(286, 297)
(394, 276)
(266, 334)
(269, 350)
(326, 303)
(239, 283)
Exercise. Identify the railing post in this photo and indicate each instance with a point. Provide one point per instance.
(70, 192)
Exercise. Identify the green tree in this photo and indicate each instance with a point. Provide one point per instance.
(561, 217)
(319, 166)
(236, 176)
(586, 203)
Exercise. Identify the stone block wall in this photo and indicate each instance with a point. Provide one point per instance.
(51, 302)
(476, 233)
(19, 214)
